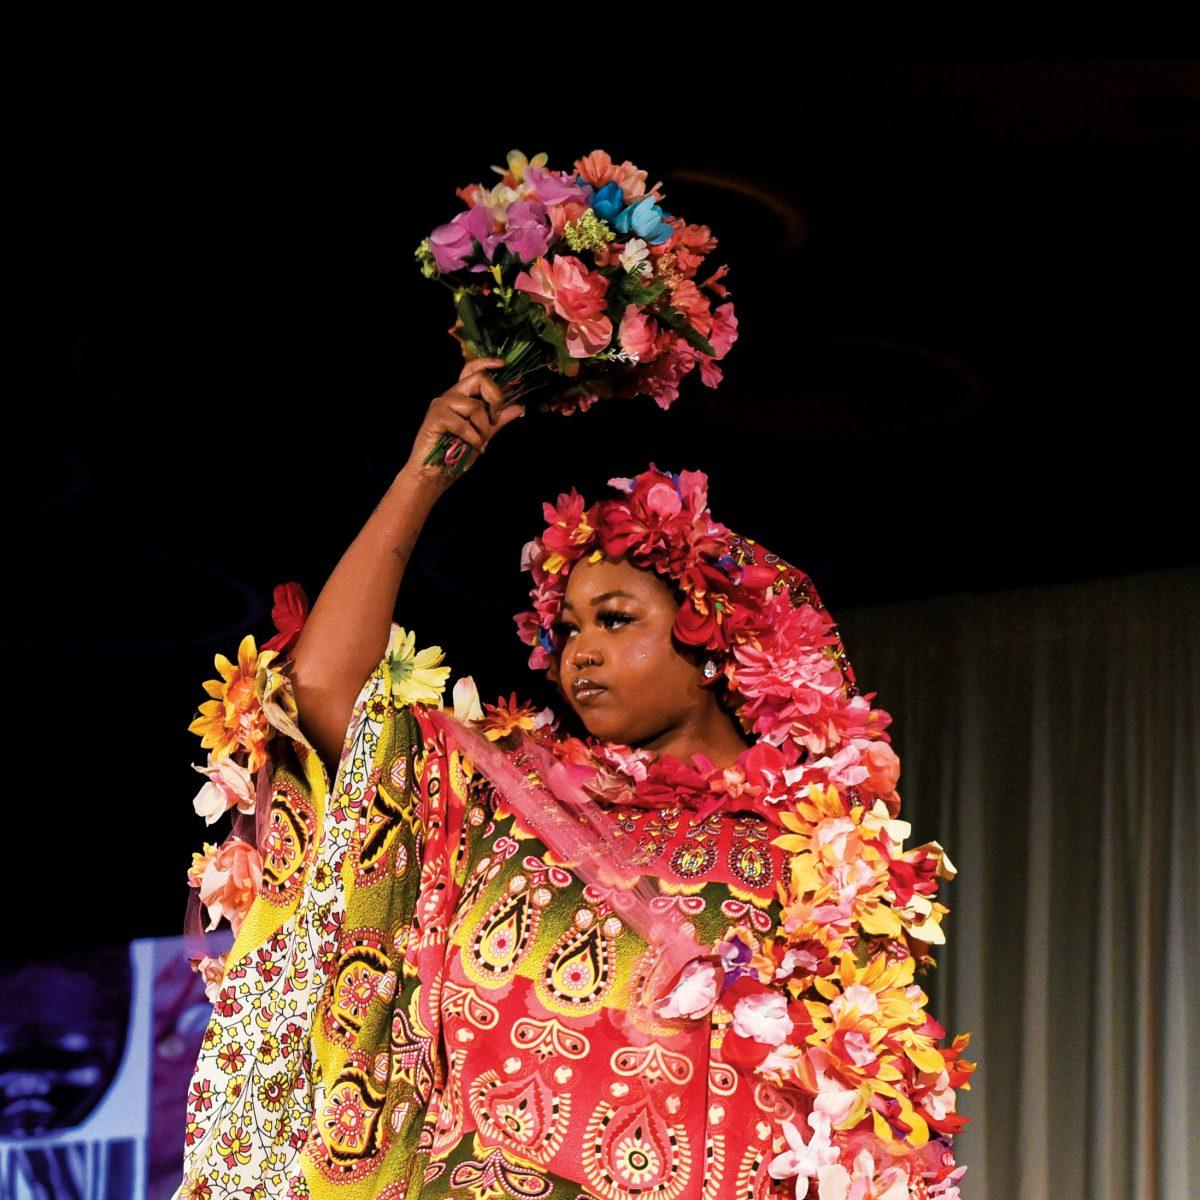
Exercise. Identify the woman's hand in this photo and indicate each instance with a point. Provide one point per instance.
(474, 409)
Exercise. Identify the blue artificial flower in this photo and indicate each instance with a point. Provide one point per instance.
(645, 220)
(608, 201)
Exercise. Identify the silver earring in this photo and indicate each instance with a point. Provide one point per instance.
(710, 669)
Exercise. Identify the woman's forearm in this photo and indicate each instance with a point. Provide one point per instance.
(346, 633)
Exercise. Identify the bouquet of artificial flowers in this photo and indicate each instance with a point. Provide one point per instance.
(582, 283)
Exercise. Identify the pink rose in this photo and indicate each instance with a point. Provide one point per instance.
(566, 288)
(637, 333)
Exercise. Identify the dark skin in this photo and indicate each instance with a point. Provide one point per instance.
(655, 698)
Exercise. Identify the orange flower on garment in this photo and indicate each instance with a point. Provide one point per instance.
(234, 719)
(504, 716)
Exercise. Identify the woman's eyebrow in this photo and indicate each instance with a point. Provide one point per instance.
(603, 596)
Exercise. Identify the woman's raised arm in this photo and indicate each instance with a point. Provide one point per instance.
(346, 633)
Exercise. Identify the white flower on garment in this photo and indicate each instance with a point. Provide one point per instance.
(839, 1184)
(763, 1017)
(229, 785)
(804, 1160)
(833, 1099)
(694, 994)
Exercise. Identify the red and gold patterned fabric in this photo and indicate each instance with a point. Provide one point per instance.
(423, 1003)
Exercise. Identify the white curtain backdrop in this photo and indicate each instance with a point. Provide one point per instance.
(1048, 740)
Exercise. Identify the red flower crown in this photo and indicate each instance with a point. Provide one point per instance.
(760, 618)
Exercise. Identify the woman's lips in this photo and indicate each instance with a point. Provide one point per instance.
(588, 693)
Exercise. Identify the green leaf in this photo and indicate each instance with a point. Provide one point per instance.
(677, 321)
(465, 307)
(631, 290)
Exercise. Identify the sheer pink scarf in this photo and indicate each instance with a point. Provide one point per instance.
(574, 828)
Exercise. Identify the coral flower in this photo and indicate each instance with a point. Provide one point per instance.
(234, 718)
(230, 881)
(637, 333)
(564, 286)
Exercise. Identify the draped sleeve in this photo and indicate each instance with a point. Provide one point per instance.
(322, 1057)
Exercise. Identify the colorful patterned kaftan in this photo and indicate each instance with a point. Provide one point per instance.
(423, 1003)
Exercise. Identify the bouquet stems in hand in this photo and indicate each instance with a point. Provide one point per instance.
(522, 373)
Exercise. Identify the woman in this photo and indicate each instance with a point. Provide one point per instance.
(438, 992)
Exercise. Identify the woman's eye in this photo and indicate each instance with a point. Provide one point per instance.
(565, 629)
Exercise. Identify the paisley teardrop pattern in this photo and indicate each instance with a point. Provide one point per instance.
(363, 977)
(498, 1176)
(288, 842)
(549, 1039)
(741, 910)
(468, 896)
(776, 1102)
(524, 1113)
(652, 1063)
(694, 858)
(632, 1151)
(580, 969)
(347, 1139)
(750, 854)
(411, 1058)
(386, 810)
(655, 833)
(503, 935)
(722, 1079)
(466, 1003)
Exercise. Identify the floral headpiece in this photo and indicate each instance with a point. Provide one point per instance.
(759, 617)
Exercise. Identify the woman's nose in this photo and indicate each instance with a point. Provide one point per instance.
(584, 657)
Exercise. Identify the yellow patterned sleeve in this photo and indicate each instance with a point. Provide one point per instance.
(319, 1058)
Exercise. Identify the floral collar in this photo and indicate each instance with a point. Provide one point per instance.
(638, 778)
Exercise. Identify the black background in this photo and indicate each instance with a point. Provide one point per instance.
(967, 300)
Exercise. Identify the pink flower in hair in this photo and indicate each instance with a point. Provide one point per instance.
(570, 527)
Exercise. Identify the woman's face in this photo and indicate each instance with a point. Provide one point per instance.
(616, 625)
